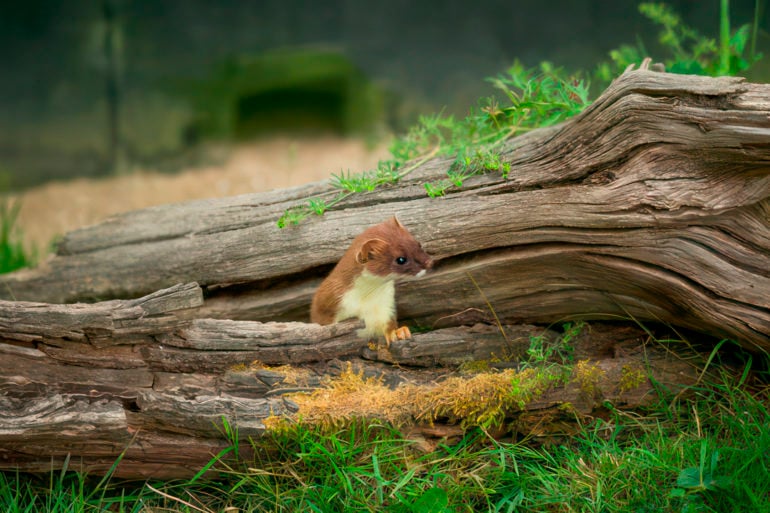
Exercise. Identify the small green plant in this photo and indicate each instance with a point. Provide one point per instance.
(532, 98)
(703, 478)
(689, 51)
(588, 376)
(12, 253)
(631, 377)
(482, 161)
(346, 184)
(436, 189)
(541, 350)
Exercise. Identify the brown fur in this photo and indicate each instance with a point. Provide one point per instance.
(376, 251)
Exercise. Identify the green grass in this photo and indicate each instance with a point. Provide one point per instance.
(684, 50)
(710, 453)
(13, 255)
(64, 492)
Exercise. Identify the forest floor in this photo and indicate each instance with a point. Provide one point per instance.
(51, 210)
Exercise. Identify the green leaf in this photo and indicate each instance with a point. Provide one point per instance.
(689, 478)
(739, 39)
(677, 493)
(434, 500)
(318, 206)
(691, 67)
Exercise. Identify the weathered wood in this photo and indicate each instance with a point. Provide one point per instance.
(109, 322)
(652, 203)
(215, 345)
(164, 402)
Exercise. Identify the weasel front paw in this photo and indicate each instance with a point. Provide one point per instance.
(401, 333)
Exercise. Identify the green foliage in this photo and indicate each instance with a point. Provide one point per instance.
(709, 453)
(688, 51)
(346, 183)
(531, 98)
(542, 351)
(483, 160)
(694, 480)
(66, 492)
(12, 253)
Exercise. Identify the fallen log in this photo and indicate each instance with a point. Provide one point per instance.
(89, 385)
(652, 204)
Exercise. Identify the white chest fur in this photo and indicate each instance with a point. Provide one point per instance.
(372, 299)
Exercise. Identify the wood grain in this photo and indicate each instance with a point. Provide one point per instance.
(86, 401)
(652, 203)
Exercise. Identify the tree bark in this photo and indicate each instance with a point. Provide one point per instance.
(653, 204)
(145, 383)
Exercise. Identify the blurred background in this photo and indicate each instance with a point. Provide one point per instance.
(110, 105)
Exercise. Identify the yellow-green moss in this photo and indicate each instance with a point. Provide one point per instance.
(474, 366)
(588, 376)
(631, 378)
(291, 375)
(483, 399)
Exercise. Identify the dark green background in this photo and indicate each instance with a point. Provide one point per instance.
(193, 70)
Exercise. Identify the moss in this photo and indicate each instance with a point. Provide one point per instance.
(588, 375)
(631, 378)
(484, 399)
(474, 366)
(291, 375)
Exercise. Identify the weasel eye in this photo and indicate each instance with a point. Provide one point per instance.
(401, 260)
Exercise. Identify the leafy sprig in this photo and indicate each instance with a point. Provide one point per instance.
(531, 98)
(689, 51)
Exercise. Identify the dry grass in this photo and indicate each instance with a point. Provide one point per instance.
(55, 208)
(483, 399)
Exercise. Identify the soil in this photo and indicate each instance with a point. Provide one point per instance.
(49, 211)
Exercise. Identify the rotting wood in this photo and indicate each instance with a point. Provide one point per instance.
(91, 399)
(102, 324)
(654, 203)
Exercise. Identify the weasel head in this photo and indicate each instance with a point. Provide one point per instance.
(388, 249)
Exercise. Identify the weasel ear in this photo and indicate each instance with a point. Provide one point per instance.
(370, 247)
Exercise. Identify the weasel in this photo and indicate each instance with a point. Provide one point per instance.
(362, 284)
